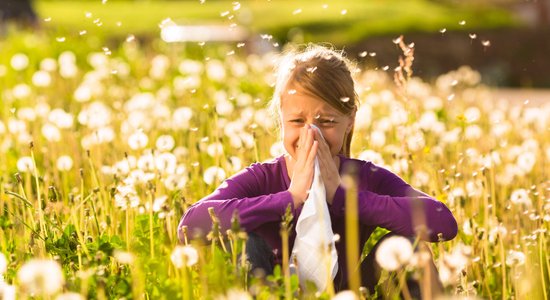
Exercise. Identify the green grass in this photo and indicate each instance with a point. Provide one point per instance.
(316, 23)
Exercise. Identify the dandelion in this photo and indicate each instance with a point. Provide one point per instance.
(124, 257)
(526, 161)
(64, 163)
(214, 149)
(3, 265)
(165, 143)
(345, 295)
(181, 118)
(51, 132)
(126, 196)
(25, 164)
(213, 174)
(7, 291)
(394, 252)
(70, 296)
(184, 256)
(138, 140)
(19, 61)
(520, 197)
(215, 70)
(21, 91)
(166, 162)
(41, 79)
(515, 258)
(41, 277)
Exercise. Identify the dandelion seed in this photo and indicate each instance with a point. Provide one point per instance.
(311, 69)
(385, 68)
(69, 296)
(486, 43)
(473, 36)
(224, 13)
(88, 14)
(443, 30)
(41, 79)
(297, 11)
(236, 6)
(344, 11)
(184, 256)
(462, 23)
(324, 6)
(202, 1)
(393, 253)
(345, 99)
(240, 45)
(3, 265)
(103, 1)
(450, 97)
(130, 38)
(372, 54)
(291, 92)
(363, 54)
(82, 32)
(48, 19)
(345, 295)
(397, 40)
(230, 53)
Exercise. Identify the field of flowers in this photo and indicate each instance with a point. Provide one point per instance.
(102, 148)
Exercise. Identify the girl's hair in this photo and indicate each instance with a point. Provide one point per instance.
(324, 73)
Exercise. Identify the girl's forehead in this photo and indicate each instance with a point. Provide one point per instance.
(303, 104)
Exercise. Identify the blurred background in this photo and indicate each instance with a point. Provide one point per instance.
(507, 41)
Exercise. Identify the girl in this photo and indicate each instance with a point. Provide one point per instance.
(315, 87)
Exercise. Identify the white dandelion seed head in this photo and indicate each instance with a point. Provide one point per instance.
(41, 276)
(394, 253)
(277, 149)
(234, 294)
(472, 114)
(175, 181)
(95, 115)
(181, 118)
(215, 70)
(3, 264)
(515, 258)
(214, 149)
(165, 142)
(64, 163)
(137, 140)
(184, 256)
(236, 163)
(166, 163)
(213, 174)
(372, 156)
(26, 114)
(51, 133)
(48, 64)
(60, 118)
(526, 161)
(377, 138)
(70, 296)
(363, 117)
(521, 197)
(7, 291)
(123, 257)
(19, 61)
(21, 91)
(41, 79)
(25, 164)
(189, 66)
(345, 295)
(497, 231)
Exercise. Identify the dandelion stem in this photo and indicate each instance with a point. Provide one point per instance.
(352, 233)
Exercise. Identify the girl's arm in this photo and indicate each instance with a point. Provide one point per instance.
(388, 202)
(239, 193)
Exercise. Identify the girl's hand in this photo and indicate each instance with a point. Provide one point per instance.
(329, 167)
(303, 169)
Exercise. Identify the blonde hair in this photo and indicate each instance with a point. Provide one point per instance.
(322, 72)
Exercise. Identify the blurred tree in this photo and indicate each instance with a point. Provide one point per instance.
(18, 11)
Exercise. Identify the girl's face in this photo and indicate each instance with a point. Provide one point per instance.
(299, 108)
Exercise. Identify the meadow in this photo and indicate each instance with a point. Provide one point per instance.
(102, 148)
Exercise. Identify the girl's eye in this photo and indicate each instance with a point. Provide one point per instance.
(327, 122)
(297, 121)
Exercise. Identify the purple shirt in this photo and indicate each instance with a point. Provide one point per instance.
(259, 194)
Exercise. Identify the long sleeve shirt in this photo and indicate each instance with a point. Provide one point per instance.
(260, 195)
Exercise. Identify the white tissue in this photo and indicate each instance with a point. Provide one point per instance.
(314, 248)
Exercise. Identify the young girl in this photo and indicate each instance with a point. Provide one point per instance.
(315, 87)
